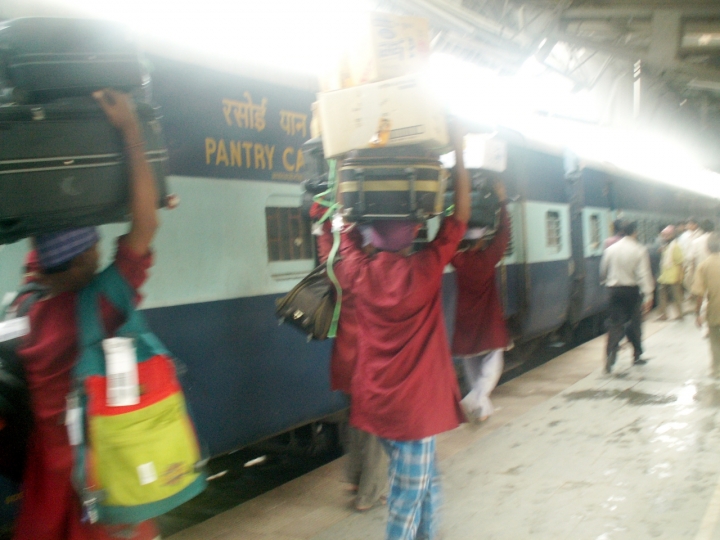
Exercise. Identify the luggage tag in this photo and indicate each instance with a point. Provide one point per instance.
(121, 371)
(73, 419)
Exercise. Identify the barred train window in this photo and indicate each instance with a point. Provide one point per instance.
(511, 245)
(288, 234)
(552, 224)
(595, 231)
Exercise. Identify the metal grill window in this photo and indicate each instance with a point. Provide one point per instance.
(510, 249)
(595, 235)
(288, 234)
(552, 227)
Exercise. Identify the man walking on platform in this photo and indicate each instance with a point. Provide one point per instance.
(670, 280)
(625, 271)
(707, 284)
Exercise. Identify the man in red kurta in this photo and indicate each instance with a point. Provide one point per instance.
(366, 463)
(404, 388)
(65, 262)
(480, 333)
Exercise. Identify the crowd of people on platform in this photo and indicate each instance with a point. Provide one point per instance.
(678, 265)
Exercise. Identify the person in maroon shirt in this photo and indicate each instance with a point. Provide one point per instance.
(66, 262)
(404, 388)
(366, 463)
(480, 333)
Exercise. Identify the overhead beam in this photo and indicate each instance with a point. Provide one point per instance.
(628, 12)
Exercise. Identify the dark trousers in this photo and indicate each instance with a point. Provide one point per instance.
(625, 318)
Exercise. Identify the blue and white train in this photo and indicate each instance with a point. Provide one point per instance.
(238, 241)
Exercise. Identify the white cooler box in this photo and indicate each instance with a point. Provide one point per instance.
(402, 108)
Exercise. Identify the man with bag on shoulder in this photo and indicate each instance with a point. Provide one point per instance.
(65, 262)
(404, 389)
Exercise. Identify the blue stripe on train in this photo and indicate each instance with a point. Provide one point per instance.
(247, 378)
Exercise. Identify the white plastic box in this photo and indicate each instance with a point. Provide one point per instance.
(403, 108)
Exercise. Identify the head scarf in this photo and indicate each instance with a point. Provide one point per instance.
(392, 235)
(57, 248)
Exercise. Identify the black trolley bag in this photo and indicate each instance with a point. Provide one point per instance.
(45, 58)
(62, 165)
(484, 202)
(402, 182)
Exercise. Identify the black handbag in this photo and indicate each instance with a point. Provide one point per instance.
(15, 409)
(310, 305)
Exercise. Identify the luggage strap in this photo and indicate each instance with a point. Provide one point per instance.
(328, 199)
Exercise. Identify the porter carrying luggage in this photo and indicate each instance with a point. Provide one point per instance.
(484, 202)
(62, 165)
(391, 183)
(45, 58)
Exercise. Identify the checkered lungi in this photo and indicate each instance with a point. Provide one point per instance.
(414, 499)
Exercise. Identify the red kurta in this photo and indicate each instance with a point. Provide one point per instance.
(479, 320)
(344, 350)
(404, 386)
(50, 508)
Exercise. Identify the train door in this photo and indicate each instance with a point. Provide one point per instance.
(576, 200)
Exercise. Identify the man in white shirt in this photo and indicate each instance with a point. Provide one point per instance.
(625, 271)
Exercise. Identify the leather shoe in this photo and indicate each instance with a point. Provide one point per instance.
(640, 361)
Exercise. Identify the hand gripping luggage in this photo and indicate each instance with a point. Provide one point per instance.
(391, 183)
(134, 460)
(484, 202)
(62, 165)
(45, 58)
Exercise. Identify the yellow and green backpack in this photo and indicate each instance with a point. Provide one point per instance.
(134, 462)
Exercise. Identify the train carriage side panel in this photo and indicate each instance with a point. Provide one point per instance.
(545, 279)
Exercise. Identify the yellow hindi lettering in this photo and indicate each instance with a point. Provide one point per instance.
(300, 160)
(292, 122)
(245, 114)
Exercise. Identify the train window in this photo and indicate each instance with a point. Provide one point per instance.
(510, 249)
(288, 234)
(595, 235)
(552, 224)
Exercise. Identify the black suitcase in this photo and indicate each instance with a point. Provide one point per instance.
(484, 202)
(45, 58)
(403, 182)
(62, 165)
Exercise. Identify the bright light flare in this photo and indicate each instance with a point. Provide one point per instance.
(285, 34)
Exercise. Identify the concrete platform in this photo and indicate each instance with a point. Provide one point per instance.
(571, 453)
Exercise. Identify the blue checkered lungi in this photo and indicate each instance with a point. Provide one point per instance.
(414, 499)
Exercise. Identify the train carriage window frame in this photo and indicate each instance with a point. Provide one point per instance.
(553, 231)
(289, 244)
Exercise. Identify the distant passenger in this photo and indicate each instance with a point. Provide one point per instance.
(707, 285)
(404, 388)
(618, 233)
(698, 248)
(672, 271)
(690, 233)
(65, 262)
(625, 270)
(366, 465)
(481, 336)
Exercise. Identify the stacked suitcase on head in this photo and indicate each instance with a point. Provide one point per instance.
(383, 127)
(61, 162)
